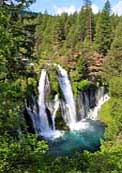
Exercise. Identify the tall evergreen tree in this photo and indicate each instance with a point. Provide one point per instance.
(103, 35)
(72, 36)
(14, 39)
(85, 23)
(117, 42)
(59, 33)
(113, 62)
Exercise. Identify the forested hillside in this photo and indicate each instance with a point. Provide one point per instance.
(89, 47)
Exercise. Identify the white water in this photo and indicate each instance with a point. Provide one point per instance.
(41, 122)
(45, 129)
(52, 134)
(68, 96)
(44, 125)
(93, 113)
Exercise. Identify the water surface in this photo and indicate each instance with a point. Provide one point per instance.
(86, 138)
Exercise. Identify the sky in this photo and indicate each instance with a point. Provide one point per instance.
(70, 6)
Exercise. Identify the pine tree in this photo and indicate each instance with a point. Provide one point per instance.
(117, 42)
(103, 35)
(85, 23)
(13, 38)
(113, 62)
(59, 33)
(72, 35)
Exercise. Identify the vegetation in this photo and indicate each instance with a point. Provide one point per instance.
(104, 113)
(28, 41)
(103, 35)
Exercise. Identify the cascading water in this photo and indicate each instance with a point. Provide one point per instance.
(93, 113)
(68, 96)
(45, 130)
(44, 125)
(83, 124)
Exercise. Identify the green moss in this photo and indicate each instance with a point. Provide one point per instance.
(53, 82)
(104, 114)
(83, 85)
(80, 86)
(59, 122)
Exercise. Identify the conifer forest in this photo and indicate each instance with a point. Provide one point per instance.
(60, 90)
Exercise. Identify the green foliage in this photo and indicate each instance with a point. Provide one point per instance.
(117, 42)
(111, 114)
(103, 37)
(116, 87)
(16, 156)
(113, 62)
(78, 75)
(85, 23)
(113, 65)
(56, 36)
(80, 86)
(104, 113)
(83, 85)
(54, 82)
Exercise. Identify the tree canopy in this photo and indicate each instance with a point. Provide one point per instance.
(89, 46)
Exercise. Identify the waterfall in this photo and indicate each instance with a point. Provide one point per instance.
(88, 104)
(68, 96)
(44, 124)
(93, 113)
(35, 119)
(45, 129)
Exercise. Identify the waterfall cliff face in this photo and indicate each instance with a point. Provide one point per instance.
(55, 109)
(93, 113)
(89, 102)
(74, 112)
(65, 85)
